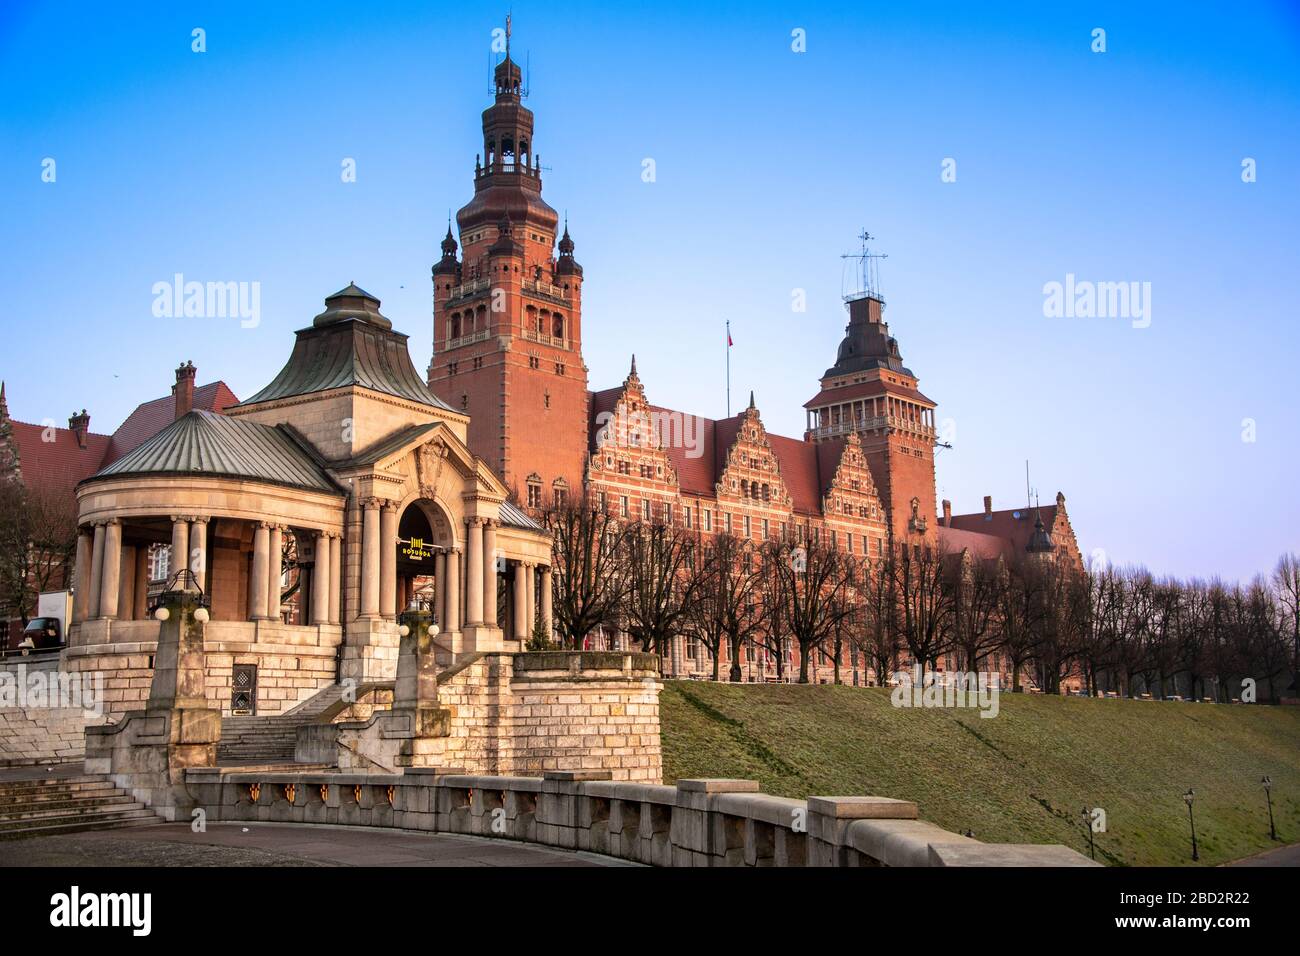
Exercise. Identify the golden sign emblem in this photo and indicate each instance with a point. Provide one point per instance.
(415, 549)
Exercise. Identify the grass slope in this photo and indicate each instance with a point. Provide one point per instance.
(1021, 777)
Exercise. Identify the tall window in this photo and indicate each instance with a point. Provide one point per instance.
(622, 505)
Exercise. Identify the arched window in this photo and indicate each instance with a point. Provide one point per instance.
(455, 327)
(559, 326)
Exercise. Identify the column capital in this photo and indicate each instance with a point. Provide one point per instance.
(110, 522)
(200, 519)
(268, 525)
(388, 504)
(474, 522)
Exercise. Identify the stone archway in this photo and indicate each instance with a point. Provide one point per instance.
(424, 538)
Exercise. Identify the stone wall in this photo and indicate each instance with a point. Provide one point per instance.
(522, 713)
(39, 735)
(293, 661)
(696, 823)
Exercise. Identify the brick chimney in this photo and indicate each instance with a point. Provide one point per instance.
(988, 507)
(79, 425)
(947, 513)
(183, 390)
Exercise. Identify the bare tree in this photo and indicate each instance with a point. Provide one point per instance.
(925, 603)
(806, 590)
(589, 577)
(975, 584)
(728, 608)
(38, 536)
(663, 582)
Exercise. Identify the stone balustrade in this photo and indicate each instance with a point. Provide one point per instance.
(695, 823)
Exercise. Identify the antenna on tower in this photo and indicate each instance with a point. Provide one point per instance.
(868, 278)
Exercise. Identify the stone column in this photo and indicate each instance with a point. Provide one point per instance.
(140, 603)
(199, 551)
(180, 546)
(490, 573)
(85, 552)
(530, 601)
(440, 588)
(520, 608)
(548, 622)
(111, 578)
(320, 581)
(452, 599)
(274, 569)
(126, 584)
(388, 561)
(474, 573)
(96, 571)
(258, 575)
(336, 580)
(370, 558)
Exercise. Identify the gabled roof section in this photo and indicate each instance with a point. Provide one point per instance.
(150, 418)
(58, 464)
(349, 344)
(213, 445)
(986, 547)
(512, 516)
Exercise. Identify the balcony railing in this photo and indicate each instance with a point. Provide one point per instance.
(871, 424)
(558, 341)
(538, 287)
(480, 336)
(467, 289)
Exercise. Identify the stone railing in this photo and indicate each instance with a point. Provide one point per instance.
(695, 823)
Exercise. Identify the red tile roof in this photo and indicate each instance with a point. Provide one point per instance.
(152, 417)
(807, 469)
(846, 393)
(1005, 524)
(57, 464)
(62, 463)
(986, 546)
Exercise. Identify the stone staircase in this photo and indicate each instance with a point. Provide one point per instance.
(50, 805)
(264, 740)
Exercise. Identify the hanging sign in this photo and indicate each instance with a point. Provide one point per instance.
(415, 549)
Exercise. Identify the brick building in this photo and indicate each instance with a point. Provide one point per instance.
(508, 351)
(54, 460)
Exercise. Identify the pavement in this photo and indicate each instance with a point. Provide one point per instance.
(271, 844)
(1281, 856)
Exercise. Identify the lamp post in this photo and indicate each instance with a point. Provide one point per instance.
(1268, 795)
(1087, 823)
(1190, 796)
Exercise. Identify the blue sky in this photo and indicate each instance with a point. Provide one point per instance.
(1115, 166)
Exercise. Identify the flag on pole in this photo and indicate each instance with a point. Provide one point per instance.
(729, 342)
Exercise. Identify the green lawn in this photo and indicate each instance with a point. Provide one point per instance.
(1022, 776)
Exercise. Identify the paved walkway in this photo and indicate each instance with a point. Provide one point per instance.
(270, 844)
(1281, 856)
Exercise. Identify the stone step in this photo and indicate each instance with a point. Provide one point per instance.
(54, 790)
(35, 817)
(12, 811)
(87, 815)
(131, 818)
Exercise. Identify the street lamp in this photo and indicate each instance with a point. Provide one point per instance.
(1268, 795)
(1087, 824)
(1189, 796)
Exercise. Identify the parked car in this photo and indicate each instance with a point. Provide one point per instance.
(42, 633)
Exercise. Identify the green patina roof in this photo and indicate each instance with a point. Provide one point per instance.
(350, 343)
(209, 444)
